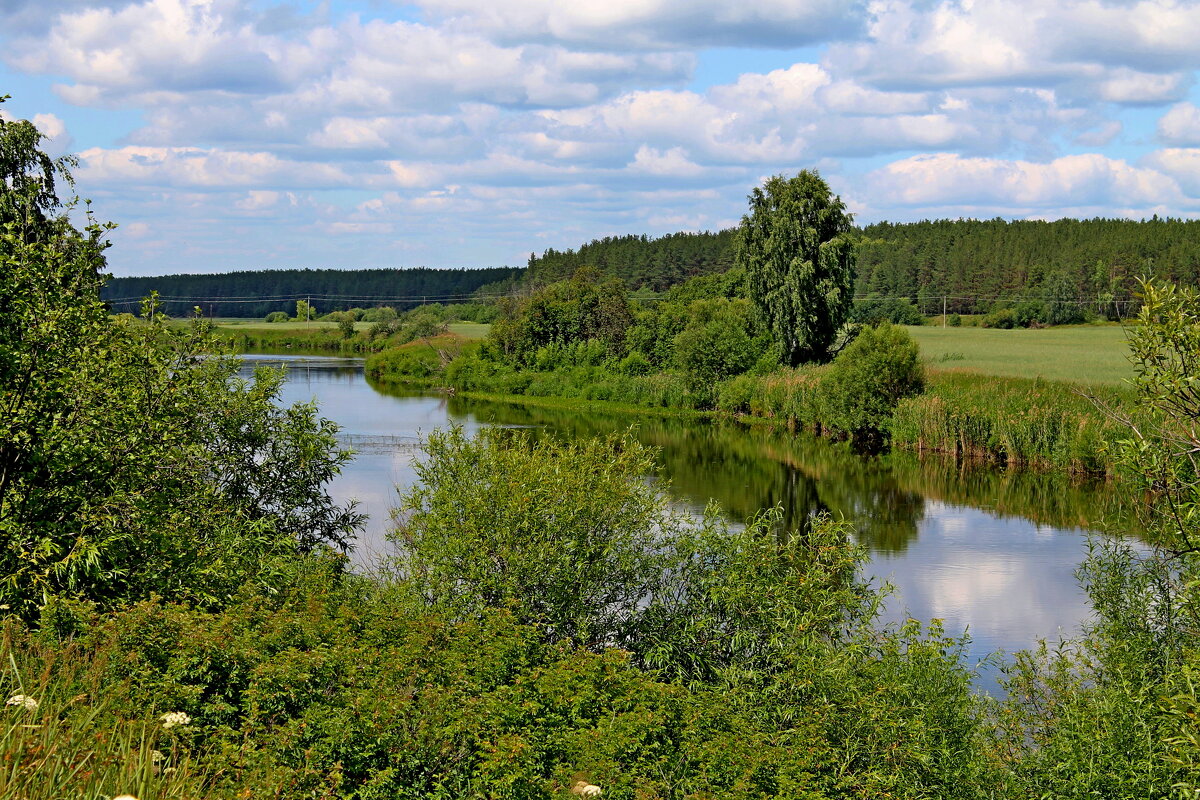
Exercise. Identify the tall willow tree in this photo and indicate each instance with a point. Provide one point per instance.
(795, 247)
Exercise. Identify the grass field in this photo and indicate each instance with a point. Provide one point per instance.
(1078, 353)
(468, 330)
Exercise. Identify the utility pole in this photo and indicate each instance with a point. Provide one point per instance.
(943, 311)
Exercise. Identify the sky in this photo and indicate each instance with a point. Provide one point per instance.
(230, 134)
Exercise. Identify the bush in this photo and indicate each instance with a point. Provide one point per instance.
(277, 316)
(876, 371)
(379, 314)
(634, 364)
(1004, 318)
(496, 522)
(874, 310)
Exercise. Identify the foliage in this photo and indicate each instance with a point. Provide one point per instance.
(876, 371)
(720, 339)
(225, 294)
(1114, 716)
(971, 262)
(132, 459)
(639, 261)
(421, 362)
(476, 532)
(276, 316)
(796, 249)
(586, 307)
(873, 310)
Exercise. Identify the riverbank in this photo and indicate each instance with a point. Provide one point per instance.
(1009, 421)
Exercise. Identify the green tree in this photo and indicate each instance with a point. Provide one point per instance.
(720, 340)
(133, 460)
(799, 260)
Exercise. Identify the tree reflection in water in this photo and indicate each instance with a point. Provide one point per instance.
(747, 469)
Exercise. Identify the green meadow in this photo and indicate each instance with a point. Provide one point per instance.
(1091, 354)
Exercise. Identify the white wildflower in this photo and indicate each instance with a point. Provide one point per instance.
(156, 756)
(173, 718)
(22, 701)
(124, 797)
(585, 789)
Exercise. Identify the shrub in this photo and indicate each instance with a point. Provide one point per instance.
(1000, 318)
(277, 316)
(874, 310)
(379, 314)
(865, 382)
(634, 364)
(566, 535)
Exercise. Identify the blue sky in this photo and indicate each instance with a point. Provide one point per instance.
(222, 134)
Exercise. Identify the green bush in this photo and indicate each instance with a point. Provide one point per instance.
(1004, 318)
(634, 364)
(277, 316)
(876, 371)
(874, 310)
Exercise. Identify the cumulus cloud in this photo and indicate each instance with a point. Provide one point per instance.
(1089, 180)
(659, 24)
(1182, 164)
(1180, 125)
(200, 168)
(1135, 52)
(542, 122)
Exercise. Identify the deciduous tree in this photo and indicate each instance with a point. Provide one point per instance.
(799, 259)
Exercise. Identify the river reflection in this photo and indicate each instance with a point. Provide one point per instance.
(989, 552)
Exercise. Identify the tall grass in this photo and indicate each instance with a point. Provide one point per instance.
(1010, 420)
(78, 742)
(1014, 421)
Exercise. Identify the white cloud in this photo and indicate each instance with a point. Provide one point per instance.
(1142, 88)
(1181, 163)
(199, 168)
(1180, 125)
(658, 24)
(1101, 135)
(558, 121)
(1090, 180)
(673, 162)
(1118, 52)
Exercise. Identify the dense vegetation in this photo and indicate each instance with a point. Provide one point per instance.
(655, 263)
(178, 621)
(256, 293)
(971, 262)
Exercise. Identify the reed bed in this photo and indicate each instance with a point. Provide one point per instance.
(1012, 421)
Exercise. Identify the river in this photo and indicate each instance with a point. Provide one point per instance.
(987, 551)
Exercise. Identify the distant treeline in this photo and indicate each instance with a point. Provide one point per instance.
(972, 262)
(969, 262)
(256, 293)
(640, 261)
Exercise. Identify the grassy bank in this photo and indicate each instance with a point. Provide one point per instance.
(1008, 420)
(321, 337)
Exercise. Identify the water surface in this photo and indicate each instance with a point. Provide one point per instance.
(989, 552)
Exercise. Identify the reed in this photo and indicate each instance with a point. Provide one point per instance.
(1011, 421)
